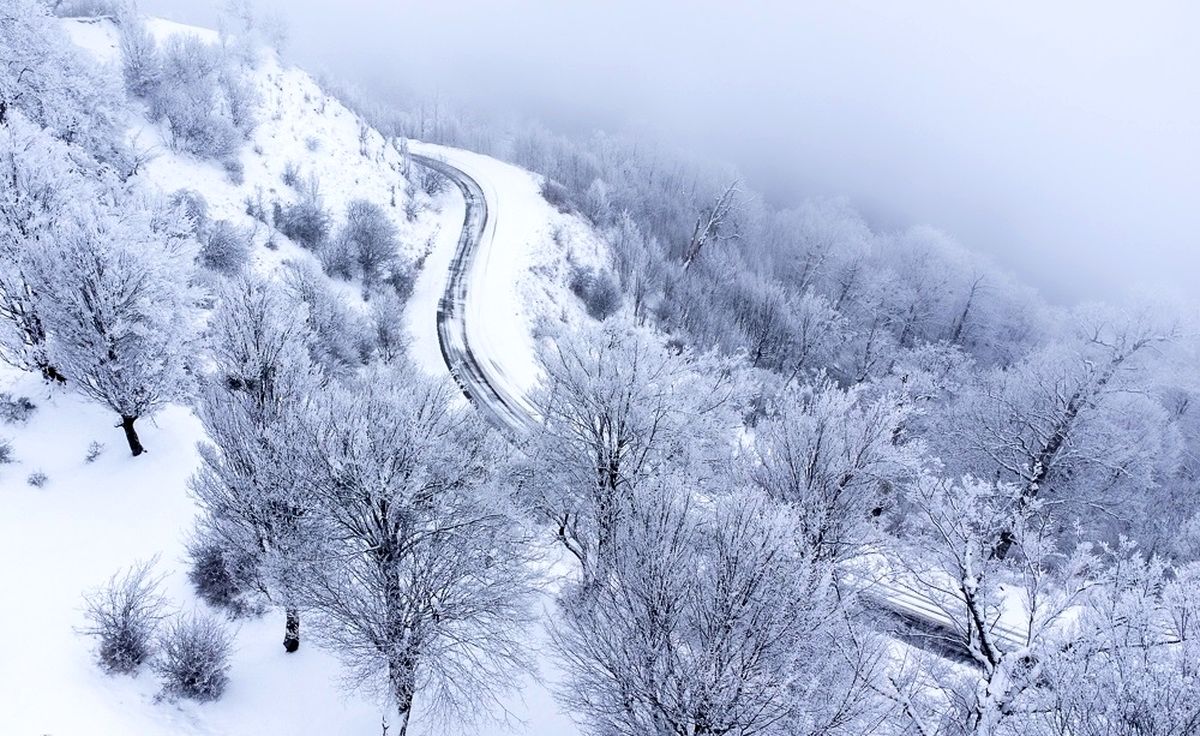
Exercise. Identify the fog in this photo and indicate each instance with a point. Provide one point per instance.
(1062, 138)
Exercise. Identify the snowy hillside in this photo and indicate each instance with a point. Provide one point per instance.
(91, 518)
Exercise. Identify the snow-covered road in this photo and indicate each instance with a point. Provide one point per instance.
(482, 375)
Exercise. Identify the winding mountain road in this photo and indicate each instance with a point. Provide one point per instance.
(478, 380)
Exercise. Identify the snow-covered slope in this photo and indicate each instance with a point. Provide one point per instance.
(92, 519)
(300, 127)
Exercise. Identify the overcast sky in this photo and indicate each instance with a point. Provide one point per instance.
(1061, 137)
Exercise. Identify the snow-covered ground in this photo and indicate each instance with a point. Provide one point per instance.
(92, 519)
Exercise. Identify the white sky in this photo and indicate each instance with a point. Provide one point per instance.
(1062, 137)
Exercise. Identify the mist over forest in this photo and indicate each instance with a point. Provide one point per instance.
(1057, 138)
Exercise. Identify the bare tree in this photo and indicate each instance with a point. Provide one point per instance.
(709, 622)
(715, 224)
(829, 455)
(116, 295)
(617, 404)
(425, 586)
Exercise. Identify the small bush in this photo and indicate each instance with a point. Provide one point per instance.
(225, 248)
(212, 575)
(124, 615)
(557, 195)
(189, 99)
(37, 479)
(291, 174)
(95, 450)
(195, 206)
(432, 182)
(193, 659)
(305, 222)
(6, 453)
(337, 258)
(15, 409)
(234, 170)
(312, 144)
(598, 291)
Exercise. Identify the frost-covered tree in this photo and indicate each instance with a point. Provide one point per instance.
(710, 621)
(253, 409)
(830, 455)
(1134, 664)
(617, 405)
(1074, 422)
(140, 62)
(425, 585)
(40, 182)
(114, 288)
(53, 82)
(370, 238)
(1008, 614)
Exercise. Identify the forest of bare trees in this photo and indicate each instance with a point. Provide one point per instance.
(779, 417)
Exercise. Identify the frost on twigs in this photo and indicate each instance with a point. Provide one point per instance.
(124, 615)
(194, 658)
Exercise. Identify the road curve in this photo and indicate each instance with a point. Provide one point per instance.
(481, 388)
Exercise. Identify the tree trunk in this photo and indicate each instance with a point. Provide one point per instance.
(403, 678)
(291, 632)
(131, 436)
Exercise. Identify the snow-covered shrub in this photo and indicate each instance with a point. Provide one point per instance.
(598, 291)
(241, 98)
(432, 182)
(291, 174)
(305, 222)
(37, 479)
(212, 577)
(95, 450)
(193, 660)
(557, 195)
(337, 258)
(124, 615)
(387, 321)
(14, 409)
(195, 206)
(6, 454)
(190, 99)
(225, 248)
(369, 238)
(141, 66)
(341, 338)
(234, 170)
